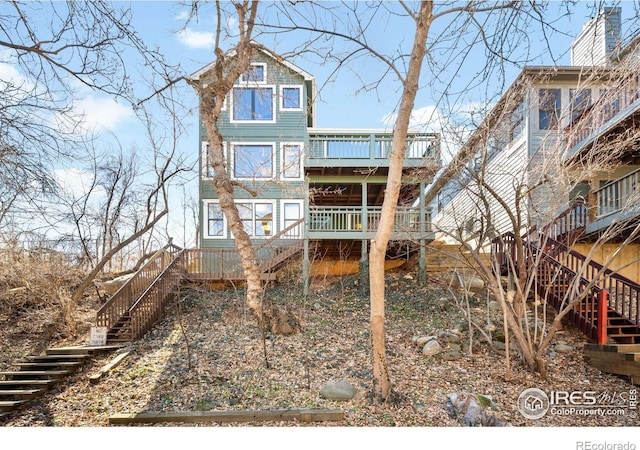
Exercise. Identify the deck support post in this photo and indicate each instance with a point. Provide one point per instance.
(603, 306)
(422, 264)
(363, 270)
(305, 268)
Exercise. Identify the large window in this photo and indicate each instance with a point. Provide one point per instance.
(252, 161)
(215, 221)
(257, 218)
(580, 100)
(292, 161)
(291, 98)
(549, 108)
(253, 104)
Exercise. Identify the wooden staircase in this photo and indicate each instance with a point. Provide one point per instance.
(608, 313)
(34, 375)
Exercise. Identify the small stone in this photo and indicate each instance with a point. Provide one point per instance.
(421, 340)
(451, 355)
(408, 277)
(494, 306)
(455, 347)
(338, 390)
(431, 348)
(563, 348)
(450, 337)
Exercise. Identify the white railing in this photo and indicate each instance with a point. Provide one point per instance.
(619, 194)
(356, 219)
(341, 145)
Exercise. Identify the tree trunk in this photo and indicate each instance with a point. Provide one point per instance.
(382, 385)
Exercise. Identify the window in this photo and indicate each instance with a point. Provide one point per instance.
(253, 104)
(549, 108)
(291, 98)
(256, 73)
(257, 218)
(580, 99)
(252, 161)
(292, 161)
(291, 213)
(215, 221)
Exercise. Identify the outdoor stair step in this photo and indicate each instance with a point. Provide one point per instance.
(19, 374)
(36, 364)
(20, 384)
(23, 393)
(53, 358)
(68, 351)
(8, 405)
(4, 413)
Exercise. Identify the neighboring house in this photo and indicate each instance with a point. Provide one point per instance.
(306, 189)
(557, 161)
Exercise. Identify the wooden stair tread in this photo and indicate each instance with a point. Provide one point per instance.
(39, 382)
(35, 373)
(21, 392)
(51, 358)
(11, 403)
(48, 364)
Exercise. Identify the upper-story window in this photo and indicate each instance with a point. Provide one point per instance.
(549, 108)
(256, 73)
(291, 98)
(292, 161)
(580, 100)
(251, 161)
(253, 104)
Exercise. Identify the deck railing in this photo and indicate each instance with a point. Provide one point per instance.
(618, 194)
(617, 97)
(325, 144)
(356, 219)
(122, 300)
(226, 264)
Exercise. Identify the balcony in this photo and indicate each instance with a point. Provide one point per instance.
(364, 148)
(618, 102)
(355, 222)
(617, 201)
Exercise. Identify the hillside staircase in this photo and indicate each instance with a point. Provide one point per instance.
(605, 305)
(139, 303)
(35, 375)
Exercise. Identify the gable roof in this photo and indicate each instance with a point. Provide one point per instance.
(306, 75)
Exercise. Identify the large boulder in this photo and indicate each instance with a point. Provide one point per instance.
(338, 390)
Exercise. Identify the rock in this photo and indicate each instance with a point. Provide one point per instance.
(499, 345)
(451, 338)
(563, 348)
(451, 355)
(338, 390)
(470, 409)
(455, 347)
(408, 277)
(494, 306)
(421, 340)
(431, 348)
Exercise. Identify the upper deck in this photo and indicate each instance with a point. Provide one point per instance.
(331, 149)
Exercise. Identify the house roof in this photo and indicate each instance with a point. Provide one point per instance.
(306, 75)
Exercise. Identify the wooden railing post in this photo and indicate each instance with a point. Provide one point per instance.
(603, 306)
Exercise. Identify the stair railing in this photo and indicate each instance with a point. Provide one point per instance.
(120, 302)
(149, 306)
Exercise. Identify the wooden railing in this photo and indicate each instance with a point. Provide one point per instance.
(149, 306)
(616, 98)
(122, 300)
(226, 264)
(568, 225)
(326, 144)
(356, 219)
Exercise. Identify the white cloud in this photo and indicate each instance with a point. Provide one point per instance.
(196, 39)
(101, 114)
(76, 182)
(182, 15)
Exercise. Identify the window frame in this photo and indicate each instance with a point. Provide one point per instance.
(283, 160)
(283, 218)
(246, 81)
(554, 121)
(205, 221)
(232, 160)
(297, 87)
(578, 108)
(253, 219)
(232, 112)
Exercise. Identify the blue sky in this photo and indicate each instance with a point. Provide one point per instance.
(343, 104)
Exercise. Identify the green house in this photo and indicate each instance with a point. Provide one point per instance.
(304, 190)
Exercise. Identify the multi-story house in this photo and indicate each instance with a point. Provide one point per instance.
(557, 160)
(303, 189)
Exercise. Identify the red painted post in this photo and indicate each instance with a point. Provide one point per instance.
(603, 306)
